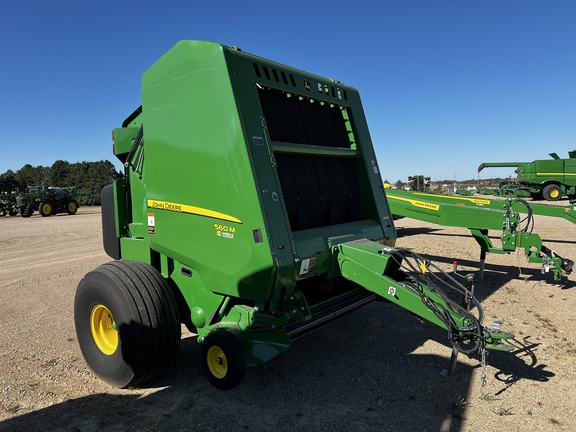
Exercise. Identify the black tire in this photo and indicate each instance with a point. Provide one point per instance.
(13, 212)
(45, 208)
(223, 359)
(141, 335)
(552, 192)
(26, 212)
(71, 207)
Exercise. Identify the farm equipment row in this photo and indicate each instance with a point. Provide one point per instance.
(45, 200)
(256, 214)
(505, 189)
(8, 204)
(512, 217)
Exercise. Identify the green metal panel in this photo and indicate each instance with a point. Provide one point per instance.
(123, 141)
(548, 170)
(431, 207)
(446, 210)
(202, 301)
(570, 173)
(135, 249)
(202, 197)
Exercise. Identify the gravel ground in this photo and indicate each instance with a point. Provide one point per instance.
(375, 369)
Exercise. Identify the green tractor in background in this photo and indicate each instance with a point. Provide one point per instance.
(48, 201)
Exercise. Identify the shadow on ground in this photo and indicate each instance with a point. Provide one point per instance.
(358, 373)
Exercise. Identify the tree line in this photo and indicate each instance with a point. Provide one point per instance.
(87, 177)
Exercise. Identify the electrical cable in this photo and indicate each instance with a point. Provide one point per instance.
(417, 268)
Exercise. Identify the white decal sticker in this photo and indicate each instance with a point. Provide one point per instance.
(225, 231)
(151, 224)
(308, 265)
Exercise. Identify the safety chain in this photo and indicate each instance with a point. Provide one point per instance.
(483, 354)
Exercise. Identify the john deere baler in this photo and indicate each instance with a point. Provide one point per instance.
(252, 209)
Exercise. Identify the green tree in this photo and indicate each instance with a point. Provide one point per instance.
(58, 175)
(87, 177)
(100, 174)
(8, 182)
(31, 176)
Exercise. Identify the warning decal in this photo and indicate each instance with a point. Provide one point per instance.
(151, 224)
(308, 265)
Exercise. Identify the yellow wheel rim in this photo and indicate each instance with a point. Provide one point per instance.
(217, 362)
(554, 193)
(46, 208)
(72, 207)
(104, 329)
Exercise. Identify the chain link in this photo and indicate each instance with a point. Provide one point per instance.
(483, 354)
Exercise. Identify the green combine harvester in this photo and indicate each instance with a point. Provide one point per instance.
(547, 179)
(252, 210)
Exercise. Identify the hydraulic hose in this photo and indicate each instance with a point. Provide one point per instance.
(466, 339)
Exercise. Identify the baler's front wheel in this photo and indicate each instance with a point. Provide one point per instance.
(223, 359)
(127, 322)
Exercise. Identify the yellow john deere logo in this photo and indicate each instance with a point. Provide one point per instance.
(182, 208)
(307, 86)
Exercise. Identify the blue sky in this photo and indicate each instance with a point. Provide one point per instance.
(446, 84)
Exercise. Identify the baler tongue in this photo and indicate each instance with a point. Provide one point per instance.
(416, 284)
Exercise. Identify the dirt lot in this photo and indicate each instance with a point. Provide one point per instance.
(375, 369)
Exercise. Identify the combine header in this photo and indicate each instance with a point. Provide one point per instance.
(251, 210)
